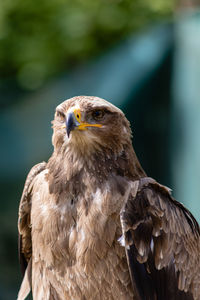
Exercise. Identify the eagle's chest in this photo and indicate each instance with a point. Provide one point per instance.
(75, 226)
(79, 241)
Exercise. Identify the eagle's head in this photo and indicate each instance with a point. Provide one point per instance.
(92, 134)
(90, 124)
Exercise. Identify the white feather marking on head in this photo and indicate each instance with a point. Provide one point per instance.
(73, 108)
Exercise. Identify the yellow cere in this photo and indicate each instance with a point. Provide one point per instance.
(83, 126)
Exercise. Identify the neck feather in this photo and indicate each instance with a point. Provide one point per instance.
(66, 167)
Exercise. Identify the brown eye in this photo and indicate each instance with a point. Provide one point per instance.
(60, 115)
(98, 114)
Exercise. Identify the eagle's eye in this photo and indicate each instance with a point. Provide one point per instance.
(98, 114)
(60, 115)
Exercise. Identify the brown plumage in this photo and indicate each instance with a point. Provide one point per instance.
(93, 226)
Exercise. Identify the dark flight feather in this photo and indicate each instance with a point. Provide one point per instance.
(162, 244)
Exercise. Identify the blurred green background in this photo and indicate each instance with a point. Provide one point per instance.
(143, 56)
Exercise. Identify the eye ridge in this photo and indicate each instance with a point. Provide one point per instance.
(60, 114)
(98, 114)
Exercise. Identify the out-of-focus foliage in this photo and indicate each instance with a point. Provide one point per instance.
(41, 38)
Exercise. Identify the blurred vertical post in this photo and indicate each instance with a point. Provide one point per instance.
(186, 110)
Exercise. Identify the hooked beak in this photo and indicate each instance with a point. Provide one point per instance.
(73, 121)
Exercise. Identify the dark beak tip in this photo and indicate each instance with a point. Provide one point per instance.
(68, 132)
(70, 124)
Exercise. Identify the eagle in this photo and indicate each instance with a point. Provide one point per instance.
(93, 225)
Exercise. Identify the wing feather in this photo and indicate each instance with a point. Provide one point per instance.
(162, 241)
(24, 241)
